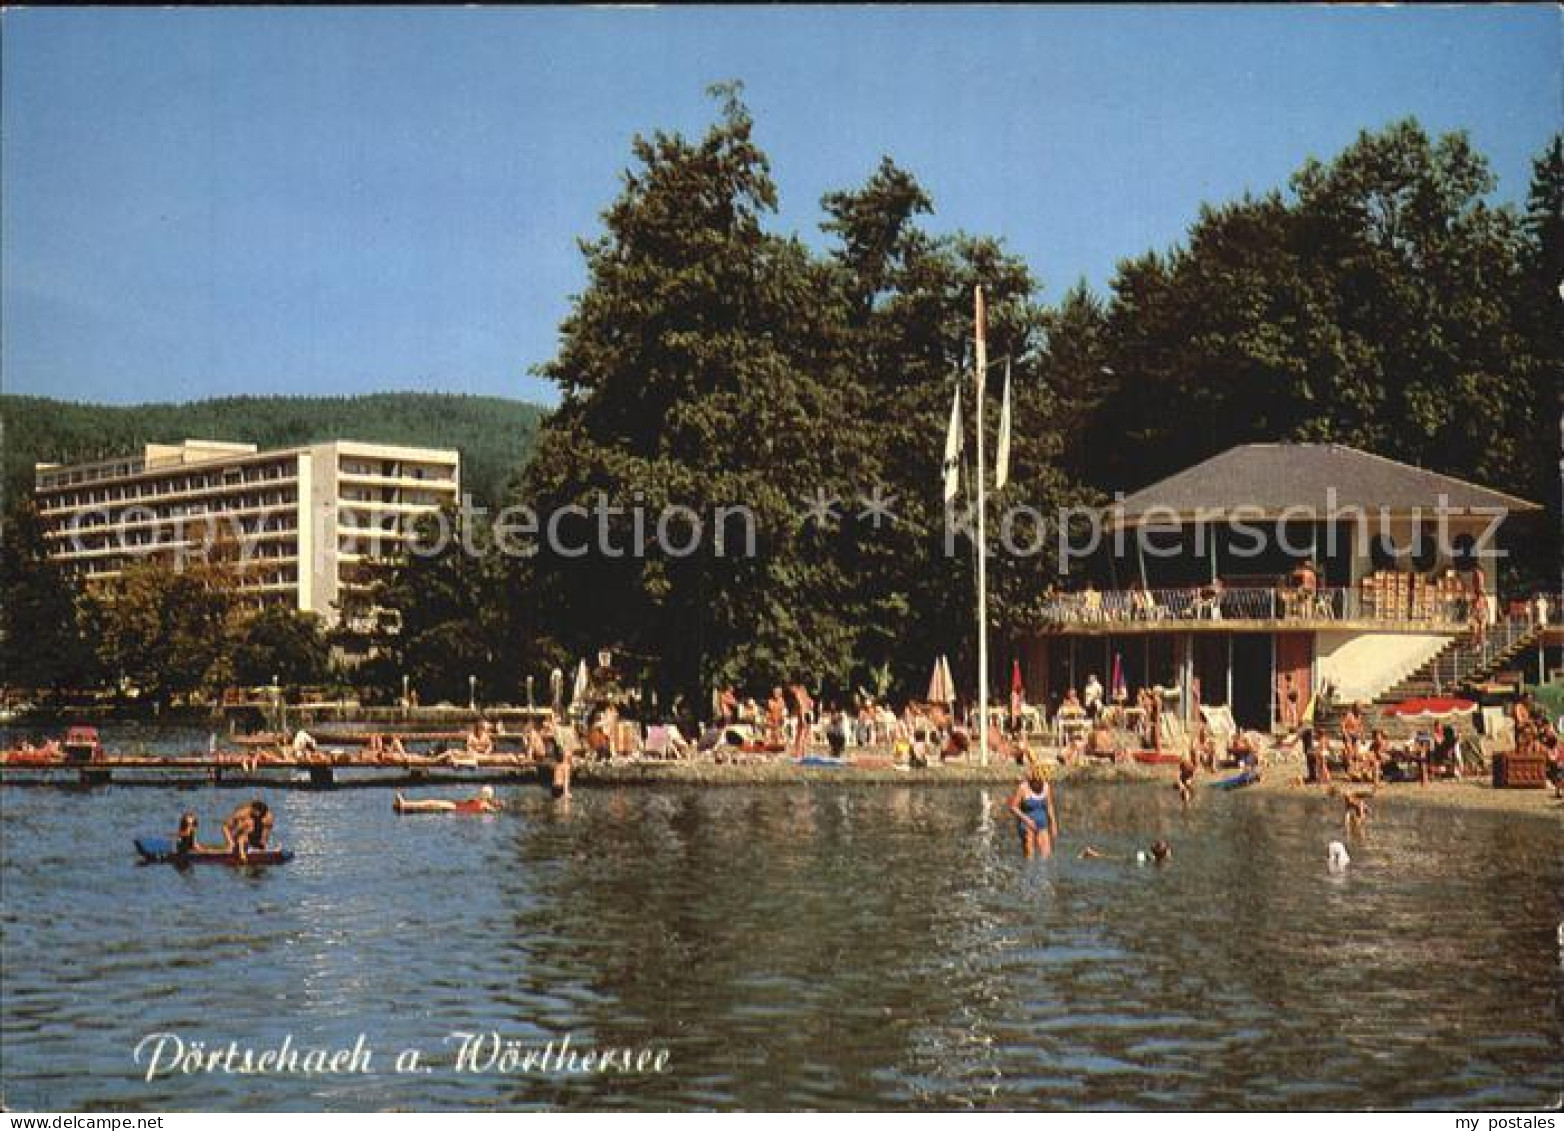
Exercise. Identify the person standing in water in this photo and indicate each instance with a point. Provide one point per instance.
(1186, 778)
(1032, 805)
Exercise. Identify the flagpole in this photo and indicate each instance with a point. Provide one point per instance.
(982, 535)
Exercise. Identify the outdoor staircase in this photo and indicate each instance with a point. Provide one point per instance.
(1453, 670)
(1463, 663)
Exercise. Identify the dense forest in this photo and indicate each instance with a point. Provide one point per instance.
(494, 435)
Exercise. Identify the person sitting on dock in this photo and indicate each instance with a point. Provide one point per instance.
(483, 802)
(249, 826)
(185, 843)
(479, 741)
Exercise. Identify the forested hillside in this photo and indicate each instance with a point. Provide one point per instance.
(494, 435)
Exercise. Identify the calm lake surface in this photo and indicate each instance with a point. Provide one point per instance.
(810, 946)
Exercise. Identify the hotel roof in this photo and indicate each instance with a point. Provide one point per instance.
(1297, 480)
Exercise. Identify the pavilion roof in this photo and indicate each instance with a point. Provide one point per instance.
(1303, 481)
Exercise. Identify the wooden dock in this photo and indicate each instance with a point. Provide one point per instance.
(219, 771)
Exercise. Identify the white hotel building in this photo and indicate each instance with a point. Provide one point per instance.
(305, 519)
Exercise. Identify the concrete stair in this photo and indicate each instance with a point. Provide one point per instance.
(1463, 663)
(1453, 670)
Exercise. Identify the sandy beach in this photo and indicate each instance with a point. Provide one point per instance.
(1281, 774)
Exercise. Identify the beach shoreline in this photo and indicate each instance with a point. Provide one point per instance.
(1280, 779)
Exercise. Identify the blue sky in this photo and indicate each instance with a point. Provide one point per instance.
(217, 202)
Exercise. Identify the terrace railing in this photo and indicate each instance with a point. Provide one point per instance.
(1212, 603)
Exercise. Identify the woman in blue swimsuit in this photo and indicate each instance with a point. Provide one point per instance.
(1032, 805)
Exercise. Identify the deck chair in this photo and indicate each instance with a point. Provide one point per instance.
(1219, 721)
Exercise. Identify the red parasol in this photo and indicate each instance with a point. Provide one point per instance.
(1433, 709)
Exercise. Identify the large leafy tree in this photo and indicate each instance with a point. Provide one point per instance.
(41, 643)
(906, 340)
(1539, 305)
(1378, 303)
(447, 616)
(164, 632)
(279, 643)
(698, 369)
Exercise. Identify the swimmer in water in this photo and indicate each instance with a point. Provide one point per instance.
(1158, 852)
(1032, 805)
(483, 803)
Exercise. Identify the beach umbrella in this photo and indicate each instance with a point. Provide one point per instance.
(1117, 688)
(940, 688)
(556, 689)
(936, 692)
(1016, 686)
(1435, 709)
(578, 691)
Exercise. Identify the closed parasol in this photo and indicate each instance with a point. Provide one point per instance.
(578, 692)
(940, 688)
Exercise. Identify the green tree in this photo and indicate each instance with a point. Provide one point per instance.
(1377, 304)
(165, 631)
(697, 370)
(1539, 305)
(41, 642)
(905, 341)
(446, 616)
(279, 643)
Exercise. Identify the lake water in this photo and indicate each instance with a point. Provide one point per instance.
(810, 946)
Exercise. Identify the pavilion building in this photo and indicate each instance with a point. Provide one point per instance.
(1275, 569)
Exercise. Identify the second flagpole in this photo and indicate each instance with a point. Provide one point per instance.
(982, 534)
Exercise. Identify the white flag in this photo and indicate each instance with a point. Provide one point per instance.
(1002, 459)
(979, 317)
(953, 448)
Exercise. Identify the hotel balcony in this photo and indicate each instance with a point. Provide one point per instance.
(170, 489)
(442, 479)
(1222, 609)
